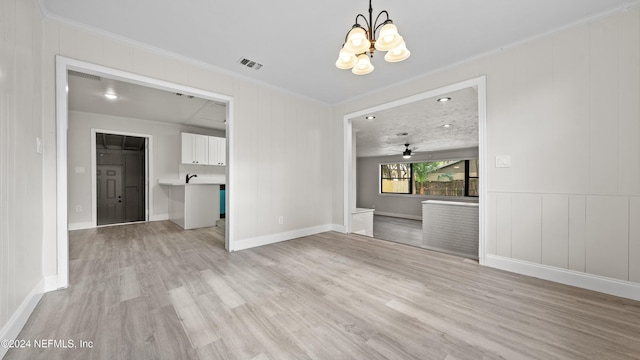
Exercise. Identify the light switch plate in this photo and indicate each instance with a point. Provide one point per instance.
(79, 170)
(503, 161)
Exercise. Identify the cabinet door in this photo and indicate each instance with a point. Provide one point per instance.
(188, 144)
(201, 149)
(222, 151)
(217, 150)
(195, 149)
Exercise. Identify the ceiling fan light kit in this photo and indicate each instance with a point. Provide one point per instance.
(407, 152)
(361, 42)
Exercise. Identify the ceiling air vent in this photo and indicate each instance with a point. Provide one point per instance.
(249, 63)
(85, 75)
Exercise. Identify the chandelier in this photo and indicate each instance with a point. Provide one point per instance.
(361, 42)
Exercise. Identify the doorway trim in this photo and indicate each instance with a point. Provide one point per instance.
(349, 178)
(63, 65)
(148, 165)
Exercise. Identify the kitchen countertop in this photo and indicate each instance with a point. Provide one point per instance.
(193, 181)
(361, 210)
(444, 202)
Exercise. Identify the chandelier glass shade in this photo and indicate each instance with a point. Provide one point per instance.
(361, 42)
(346, 60)
(363, 65)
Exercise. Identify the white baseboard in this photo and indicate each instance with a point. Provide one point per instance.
(601, 284)
(51, 283)
(339, 228)
(274, 238)
(90, 225)
(17, 321)
(81, 226)
(159, 217)
(402, 216)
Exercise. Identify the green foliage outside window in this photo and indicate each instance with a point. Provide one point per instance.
(436, 178)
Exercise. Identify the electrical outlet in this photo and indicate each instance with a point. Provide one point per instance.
(281, 220)
(78, 208)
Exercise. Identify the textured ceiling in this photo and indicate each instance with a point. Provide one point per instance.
(298, 41)
(423, 122)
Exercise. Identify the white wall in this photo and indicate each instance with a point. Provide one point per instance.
(398, 205)
(21, 198)
(166, 160)
(280, 156)
(565, 104)
(566, 108)
(279, 159)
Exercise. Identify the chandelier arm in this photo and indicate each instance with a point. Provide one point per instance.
(365, 21)
(354, 25)
(346, 37)
(376, 26)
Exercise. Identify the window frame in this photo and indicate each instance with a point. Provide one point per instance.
(467, 162)
(411, 188)
(409, 178)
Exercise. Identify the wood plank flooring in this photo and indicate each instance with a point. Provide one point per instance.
(408, 232)
(154, 291)
(404, 231)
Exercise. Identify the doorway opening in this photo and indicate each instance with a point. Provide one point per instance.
(121, 177)
(405, 204)
(64, 148)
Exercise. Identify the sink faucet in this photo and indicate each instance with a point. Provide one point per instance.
(188, 177)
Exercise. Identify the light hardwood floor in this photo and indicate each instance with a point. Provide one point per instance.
(153, 291)
(408, 232)
(404, 231)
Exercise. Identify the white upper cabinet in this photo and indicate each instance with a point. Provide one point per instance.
(195, 149)
(204, 150)
(217, 151)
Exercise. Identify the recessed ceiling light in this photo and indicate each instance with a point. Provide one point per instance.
(446, 125)
(444, 99)
(370, 117)
(111, 96)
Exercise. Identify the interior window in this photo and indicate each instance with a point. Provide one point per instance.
(434, 178)
(396, 178)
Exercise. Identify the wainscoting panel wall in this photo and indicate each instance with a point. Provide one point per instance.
(608, 236)
(503, 218)
(599, 235)
(634, 239)
(577, 232)
(555, 230)
(526, 230)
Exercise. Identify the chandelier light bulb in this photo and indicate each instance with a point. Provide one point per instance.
(357, 41)
(363, 66)
(346, 60)
(389, 38)
(398, 54)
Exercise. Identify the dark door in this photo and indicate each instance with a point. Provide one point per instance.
(109, 190)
